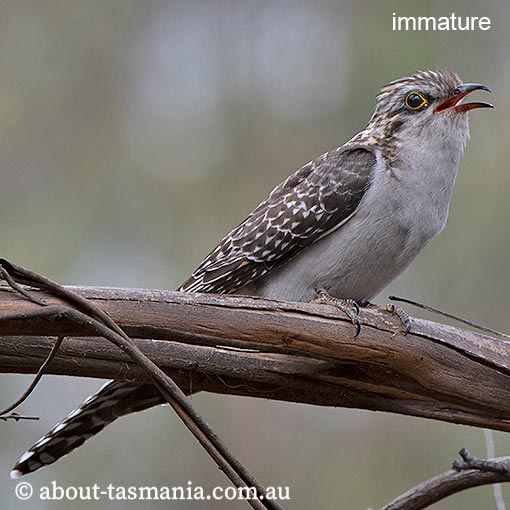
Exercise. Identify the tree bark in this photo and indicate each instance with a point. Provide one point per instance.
(297, 352)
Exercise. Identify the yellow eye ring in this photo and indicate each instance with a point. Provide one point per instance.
(415, 101)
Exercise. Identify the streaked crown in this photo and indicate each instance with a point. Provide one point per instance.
(432, 86)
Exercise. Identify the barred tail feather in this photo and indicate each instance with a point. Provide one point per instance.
(113, 400)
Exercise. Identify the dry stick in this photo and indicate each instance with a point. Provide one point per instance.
(17, 417)
(180, 403)
(227, 462)
(485, 329)
(498, 466)
(468, 473)
(7, 277)
(126, 346)
(36, 379)
(19, 274)
(490, 451)
(30, 297)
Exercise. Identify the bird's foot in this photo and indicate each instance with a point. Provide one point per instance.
(348, 306)
(405, 321)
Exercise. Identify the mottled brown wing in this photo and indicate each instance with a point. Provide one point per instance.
(305, 207)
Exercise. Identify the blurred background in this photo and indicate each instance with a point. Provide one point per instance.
(134, 135)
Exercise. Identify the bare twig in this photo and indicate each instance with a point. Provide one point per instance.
(467, 473)
(468, 461)
(36, 379)
(18, 288)
(17, 417)
(448, 315)
(237, 473)
(490, 452)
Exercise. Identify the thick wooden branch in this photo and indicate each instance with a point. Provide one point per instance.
(287, 351)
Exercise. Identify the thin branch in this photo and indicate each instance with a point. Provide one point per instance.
(36, 379)
(18, 288)
(448, 315)
(17, 417)
(468, 462)
(468, 473)
(227, 462)
(490, 452)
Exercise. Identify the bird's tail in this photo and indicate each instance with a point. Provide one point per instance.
(114, 399)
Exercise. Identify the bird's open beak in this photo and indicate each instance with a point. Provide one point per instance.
(463, 90)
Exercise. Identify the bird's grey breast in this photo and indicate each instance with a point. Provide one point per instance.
(404, 207)
(423, 176)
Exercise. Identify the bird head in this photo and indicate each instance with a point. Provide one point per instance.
(426, 99)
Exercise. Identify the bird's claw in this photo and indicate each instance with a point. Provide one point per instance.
(348, 306)
(400, 313)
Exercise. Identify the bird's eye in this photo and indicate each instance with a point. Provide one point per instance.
(415, 101)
